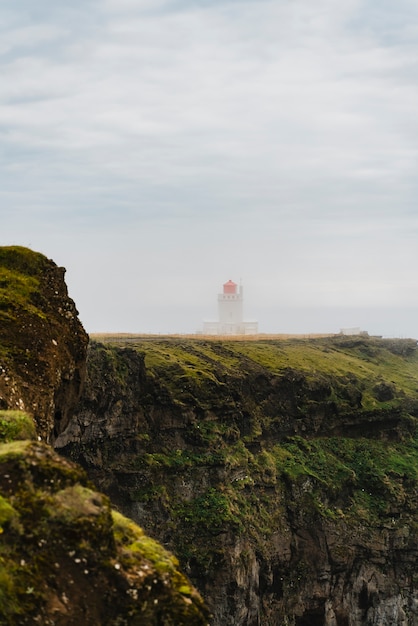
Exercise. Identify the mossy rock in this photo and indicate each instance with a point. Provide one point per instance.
(42, 342)
(66, 557)
(15, 425)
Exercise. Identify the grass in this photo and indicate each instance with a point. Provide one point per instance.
(199, 367)
(20, 270)
(22, 260)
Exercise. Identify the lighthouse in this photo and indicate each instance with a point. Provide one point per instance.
(230, 313)
(230, 308)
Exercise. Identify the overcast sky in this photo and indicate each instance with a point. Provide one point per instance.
(158, 148)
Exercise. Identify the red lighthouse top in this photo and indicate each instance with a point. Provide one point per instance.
(230, 287)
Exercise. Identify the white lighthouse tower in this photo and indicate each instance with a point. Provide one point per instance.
(230, 309)
(230, 314)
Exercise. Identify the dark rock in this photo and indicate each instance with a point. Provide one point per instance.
(384, 392)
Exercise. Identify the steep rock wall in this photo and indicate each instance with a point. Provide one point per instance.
(42, 342)
(283, 476)
(65, 556)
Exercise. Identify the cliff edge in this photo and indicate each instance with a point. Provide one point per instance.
(283, 474)
(42, 342)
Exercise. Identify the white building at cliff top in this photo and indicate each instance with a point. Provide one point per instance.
(230, 314)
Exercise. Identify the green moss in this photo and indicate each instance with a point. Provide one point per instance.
(22, 260)
(179, 459)
(21, 270)
(74, 502)
(17, 295)
(14, 449)
(124, 529)
(134, 541)
(136, 544)
(211, 512)
(9, 601)
(351, 474)
(153, 552)
(7, 513)
(13, 283)
(16, 425)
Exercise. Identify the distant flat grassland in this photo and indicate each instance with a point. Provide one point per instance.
(128, 337)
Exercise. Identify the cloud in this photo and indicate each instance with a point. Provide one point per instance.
(272, 139)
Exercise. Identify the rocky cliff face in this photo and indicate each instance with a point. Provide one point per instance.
(283, 474)
(65, 556)
(42, 342)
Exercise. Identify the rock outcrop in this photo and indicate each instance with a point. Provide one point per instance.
(42, 342)
(66, 557)
(283, 474)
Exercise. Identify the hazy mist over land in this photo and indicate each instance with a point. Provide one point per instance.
(158, 149)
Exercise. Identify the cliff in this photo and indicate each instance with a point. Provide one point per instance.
(42, 342)
(66, 557)
(283, 474)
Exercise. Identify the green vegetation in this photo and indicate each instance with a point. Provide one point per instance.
(261, 420)
(20, 269)
(9, 600)
(22, 306)
(344, 472)
(198, 368)
(7, 513)
(22, 260)
(344, 481)
(135, 542)
(15, 425)
(210, 512)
